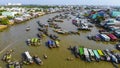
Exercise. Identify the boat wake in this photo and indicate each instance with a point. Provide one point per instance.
(7, 47)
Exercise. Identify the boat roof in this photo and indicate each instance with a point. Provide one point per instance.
(96, 53)
(86, 52)
(100, 52)
(112, 36)
(28, 55)
(91, 52)
(105, 36)
(81, 50)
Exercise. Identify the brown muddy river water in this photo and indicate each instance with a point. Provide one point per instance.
(15, 37)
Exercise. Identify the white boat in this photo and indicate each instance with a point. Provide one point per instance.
(91, 54)
(86, 55)
(28, 57)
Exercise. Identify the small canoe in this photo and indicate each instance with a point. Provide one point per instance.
(28, 28)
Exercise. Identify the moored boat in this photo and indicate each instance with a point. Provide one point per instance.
(97, 56)
(91, 54)
(101, 54)
(49, 43)
(87, 58)
(7, 56)
(107, 56)
(28, 57)
(33, 41)
(76, 51)
(17, 65)
(81, 52)
(11, 65)
(38, 60)
(57, 43)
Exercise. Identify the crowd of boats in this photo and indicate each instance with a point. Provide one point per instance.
(82, 24)
(103, 37)
(27, 59)
(58, 29)
(89, 55)
(7, 57)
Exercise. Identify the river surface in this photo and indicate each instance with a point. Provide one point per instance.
(15, 37)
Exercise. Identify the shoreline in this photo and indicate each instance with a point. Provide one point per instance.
(3, 27)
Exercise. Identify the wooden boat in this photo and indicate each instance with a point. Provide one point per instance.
(103, 32)
(41, 35)
(91, 54)
(81, 28)
(97, 56)
(118, 57)
(60, 31)
(56, 20)
(114, 59)
(38, 60)
(45, 56)
(104, 37)
(54, 37)
(108, 52)
(50, 20)
(28, 57)
(112, 37)
(87, 55)
(53, 44)
(57, 43)
(49, 43)
(40, 24)
(7, 56)
(107, 56)
(74, 32)
(11, 65)
(34, 41)
(14, 65)
(28, 28)
(76, 51)
(101, 54)
(96, 37)
(28, 41)
(81, 52)
(90, 37)
(17, 65)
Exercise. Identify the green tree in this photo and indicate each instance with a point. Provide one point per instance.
(4, 21)
(10, 17)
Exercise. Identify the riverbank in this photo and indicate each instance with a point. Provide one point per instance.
(12, 22)
(3, 27)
